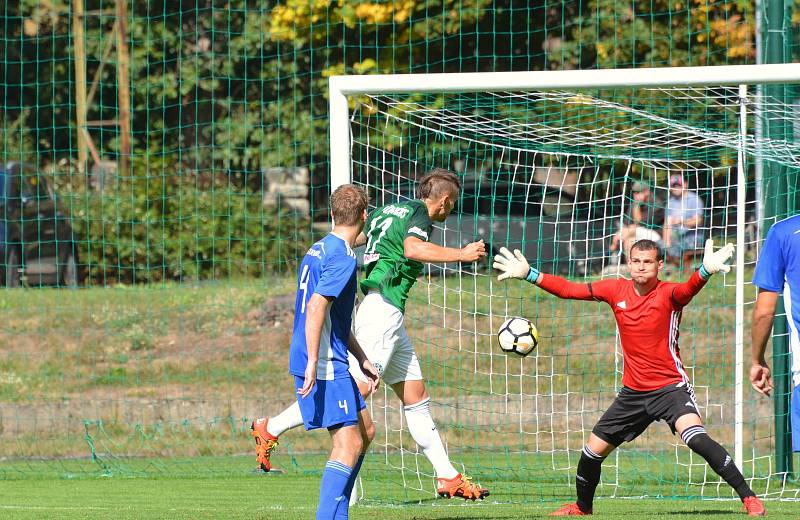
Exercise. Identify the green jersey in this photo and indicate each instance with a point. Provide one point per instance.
(387, 268)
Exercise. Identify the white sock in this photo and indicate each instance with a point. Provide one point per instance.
(423, 430)
(286, 420)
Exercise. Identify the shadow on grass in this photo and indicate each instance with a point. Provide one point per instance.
(709, 512)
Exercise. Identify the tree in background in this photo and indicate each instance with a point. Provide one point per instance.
(222, 91)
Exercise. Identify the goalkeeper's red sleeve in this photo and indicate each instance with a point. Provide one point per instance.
(563, 288)
(683, 293)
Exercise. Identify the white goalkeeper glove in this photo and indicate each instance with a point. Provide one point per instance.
(514, 266)
(714, 261)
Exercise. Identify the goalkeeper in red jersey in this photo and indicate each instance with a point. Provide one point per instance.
(655, 385)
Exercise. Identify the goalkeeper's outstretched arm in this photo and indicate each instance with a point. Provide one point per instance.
(713, 262)
(516, 266)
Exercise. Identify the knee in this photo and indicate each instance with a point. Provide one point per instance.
(355, 445)
(595, 456)
(350, 443)
(597, 447)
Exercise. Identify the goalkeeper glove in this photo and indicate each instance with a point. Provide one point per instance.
(514, 266)
(714, 261)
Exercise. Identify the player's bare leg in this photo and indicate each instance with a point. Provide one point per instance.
(340, 472)
(365, 425)
(346, 445)
(690, 427)
(587, 477)
(416, 405)
(367, 430)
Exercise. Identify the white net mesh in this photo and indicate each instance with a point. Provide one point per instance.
(553, 174)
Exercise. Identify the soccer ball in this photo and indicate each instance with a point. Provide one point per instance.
(518, 336)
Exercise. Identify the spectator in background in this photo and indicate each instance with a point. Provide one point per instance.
(682, 231)
(644, 219)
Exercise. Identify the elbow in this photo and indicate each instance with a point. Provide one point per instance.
(411, 253)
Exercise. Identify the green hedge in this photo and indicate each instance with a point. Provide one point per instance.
(182, 227)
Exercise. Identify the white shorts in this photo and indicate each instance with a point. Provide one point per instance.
(379, 330)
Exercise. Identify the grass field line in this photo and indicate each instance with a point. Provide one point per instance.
(52, 508)
(27, 507)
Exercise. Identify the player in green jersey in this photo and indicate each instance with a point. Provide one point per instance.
(397, 246)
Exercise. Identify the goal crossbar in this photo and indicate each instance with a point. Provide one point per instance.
(342, 86)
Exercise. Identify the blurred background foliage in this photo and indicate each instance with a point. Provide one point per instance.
(222, 91)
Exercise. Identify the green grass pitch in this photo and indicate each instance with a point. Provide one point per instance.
(97, 350)
(242, 493)
(293, 495)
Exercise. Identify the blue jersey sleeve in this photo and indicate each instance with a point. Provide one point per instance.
(336, 273)
(771, 268)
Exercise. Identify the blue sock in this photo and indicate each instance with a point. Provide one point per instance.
(331, 490)
(342, 513)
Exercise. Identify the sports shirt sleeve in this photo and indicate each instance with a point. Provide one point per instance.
(336, 272)
(770, 270)
(419, 224)
(563, 288)
(683, 293)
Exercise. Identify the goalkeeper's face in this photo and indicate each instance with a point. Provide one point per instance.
(644, 265)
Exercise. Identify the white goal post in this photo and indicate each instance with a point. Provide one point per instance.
(541, 81)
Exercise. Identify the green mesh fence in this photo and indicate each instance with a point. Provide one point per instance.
(170, 162)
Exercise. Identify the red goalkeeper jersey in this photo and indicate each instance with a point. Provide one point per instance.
(648, 325)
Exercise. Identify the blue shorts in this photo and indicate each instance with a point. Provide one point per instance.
(331, 404)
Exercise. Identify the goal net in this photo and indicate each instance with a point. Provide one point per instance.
(556, 172)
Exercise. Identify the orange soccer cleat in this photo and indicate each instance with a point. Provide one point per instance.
(460, 486)
(265, 443)
(754, 506)
(571, 510)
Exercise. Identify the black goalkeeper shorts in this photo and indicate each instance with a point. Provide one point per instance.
(632, 411)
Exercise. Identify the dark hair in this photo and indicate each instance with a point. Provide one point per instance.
(648, 245)
(436, 183)
(348, 203)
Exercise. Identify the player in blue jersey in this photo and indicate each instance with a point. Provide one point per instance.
(326, 392)
(778, 270)
(398, 244)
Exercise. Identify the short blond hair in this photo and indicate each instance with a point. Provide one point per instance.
(348, 203)
(436, 183)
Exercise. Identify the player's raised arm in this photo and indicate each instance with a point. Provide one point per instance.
(316, 311)
(515, 265)
(713, 262)
(421, 251)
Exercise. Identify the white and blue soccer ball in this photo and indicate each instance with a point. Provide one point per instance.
(518, 336)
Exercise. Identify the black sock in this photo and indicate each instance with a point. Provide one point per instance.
(588, 477)
(720, 461)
